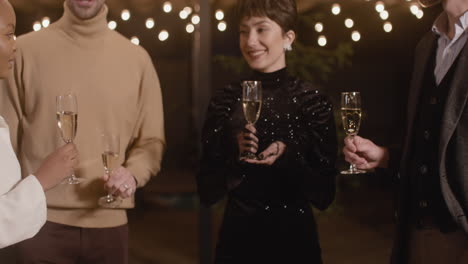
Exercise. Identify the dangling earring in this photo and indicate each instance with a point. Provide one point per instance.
(287, 47)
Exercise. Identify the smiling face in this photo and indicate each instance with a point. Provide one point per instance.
(262, 43)
(7, 38)
(85, 9)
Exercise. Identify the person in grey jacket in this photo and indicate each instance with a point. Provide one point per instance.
(432, 166)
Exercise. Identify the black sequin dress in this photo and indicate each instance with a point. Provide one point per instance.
(268, 218)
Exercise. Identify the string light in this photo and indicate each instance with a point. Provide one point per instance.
(149, 23)
(183, 14)
(419, 14)
(349, 23)
(195, 19)
(163, 35)
(387, 26)
(318, 27)
(167, 7)
(45, 22)
(222, 26)
(125, 15)
(336, 9)
(219, 15)
(37, 26)
(384, 15)
(112, 25)
(379, 6)
(188, 9)
(135, 41)
(414, 8)
(322, 40)
(356, 36)
(189, 28)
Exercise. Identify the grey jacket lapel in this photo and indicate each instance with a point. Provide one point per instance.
(456, 99)
(456, 103)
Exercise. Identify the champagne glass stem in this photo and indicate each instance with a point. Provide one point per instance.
(352, 167)
(110, 155)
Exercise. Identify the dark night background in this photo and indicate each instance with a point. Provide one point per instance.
(358, 228)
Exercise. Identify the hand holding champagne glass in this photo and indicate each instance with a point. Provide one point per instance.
(67, 121)
(110, 160)
(351, 117)
(251, 105)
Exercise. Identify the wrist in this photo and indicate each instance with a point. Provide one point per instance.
(42, 182)
(385, 157)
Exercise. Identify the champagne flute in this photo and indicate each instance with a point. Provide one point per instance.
(67, 121)
(351, 117)
(251, 104)
(110, 159)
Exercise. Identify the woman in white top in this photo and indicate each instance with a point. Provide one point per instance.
(23, 206)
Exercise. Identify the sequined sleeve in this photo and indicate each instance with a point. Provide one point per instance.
(219, 167)
(311, 153)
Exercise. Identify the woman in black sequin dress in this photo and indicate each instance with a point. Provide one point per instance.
(268, 218)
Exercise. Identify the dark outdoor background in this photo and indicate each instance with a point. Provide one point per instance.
(358, 227)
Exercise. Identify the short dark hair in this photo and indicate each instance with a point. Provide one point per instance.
(283, 12)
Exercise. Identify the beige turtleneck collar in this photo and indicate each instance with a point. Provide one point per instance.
(78, 28)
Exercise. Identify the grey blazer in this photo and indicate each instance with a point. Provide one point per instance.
(453, 144)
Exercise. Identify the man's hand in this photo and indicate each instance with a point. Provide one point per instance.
(364, 153)
(120, 183)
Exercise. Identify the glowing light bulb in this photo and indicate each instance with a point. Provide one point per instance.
(356, 36)
(384, 15)
(349, 23)
(188, 9)
(387, 26)
(112, 25)
(163, 35)
(419, 14)
(195, 19)
(379, 6)
(319, 27)
(222, 26)
(189, 28)
(322, 40)
(45, 22)
(219, 15)
(336, 9)
(167, 7)
(125, 15)
(135, 41)
(37, 26)
(414, 8)
(149, 23)
(183, 14)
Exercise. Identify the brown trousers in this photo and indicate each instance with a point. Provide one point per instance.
(430, 246)
(62, 244)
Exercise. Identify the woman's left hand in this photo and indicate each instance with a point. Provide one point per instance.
(270, 154)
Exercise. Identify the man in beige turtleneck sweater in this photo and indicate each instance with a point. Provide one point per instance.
(117, 90)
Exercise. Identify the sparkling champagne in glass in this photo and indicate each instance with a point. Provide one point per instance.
(67, 121)
(251, 105)
(351, 117)
(110, 159)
